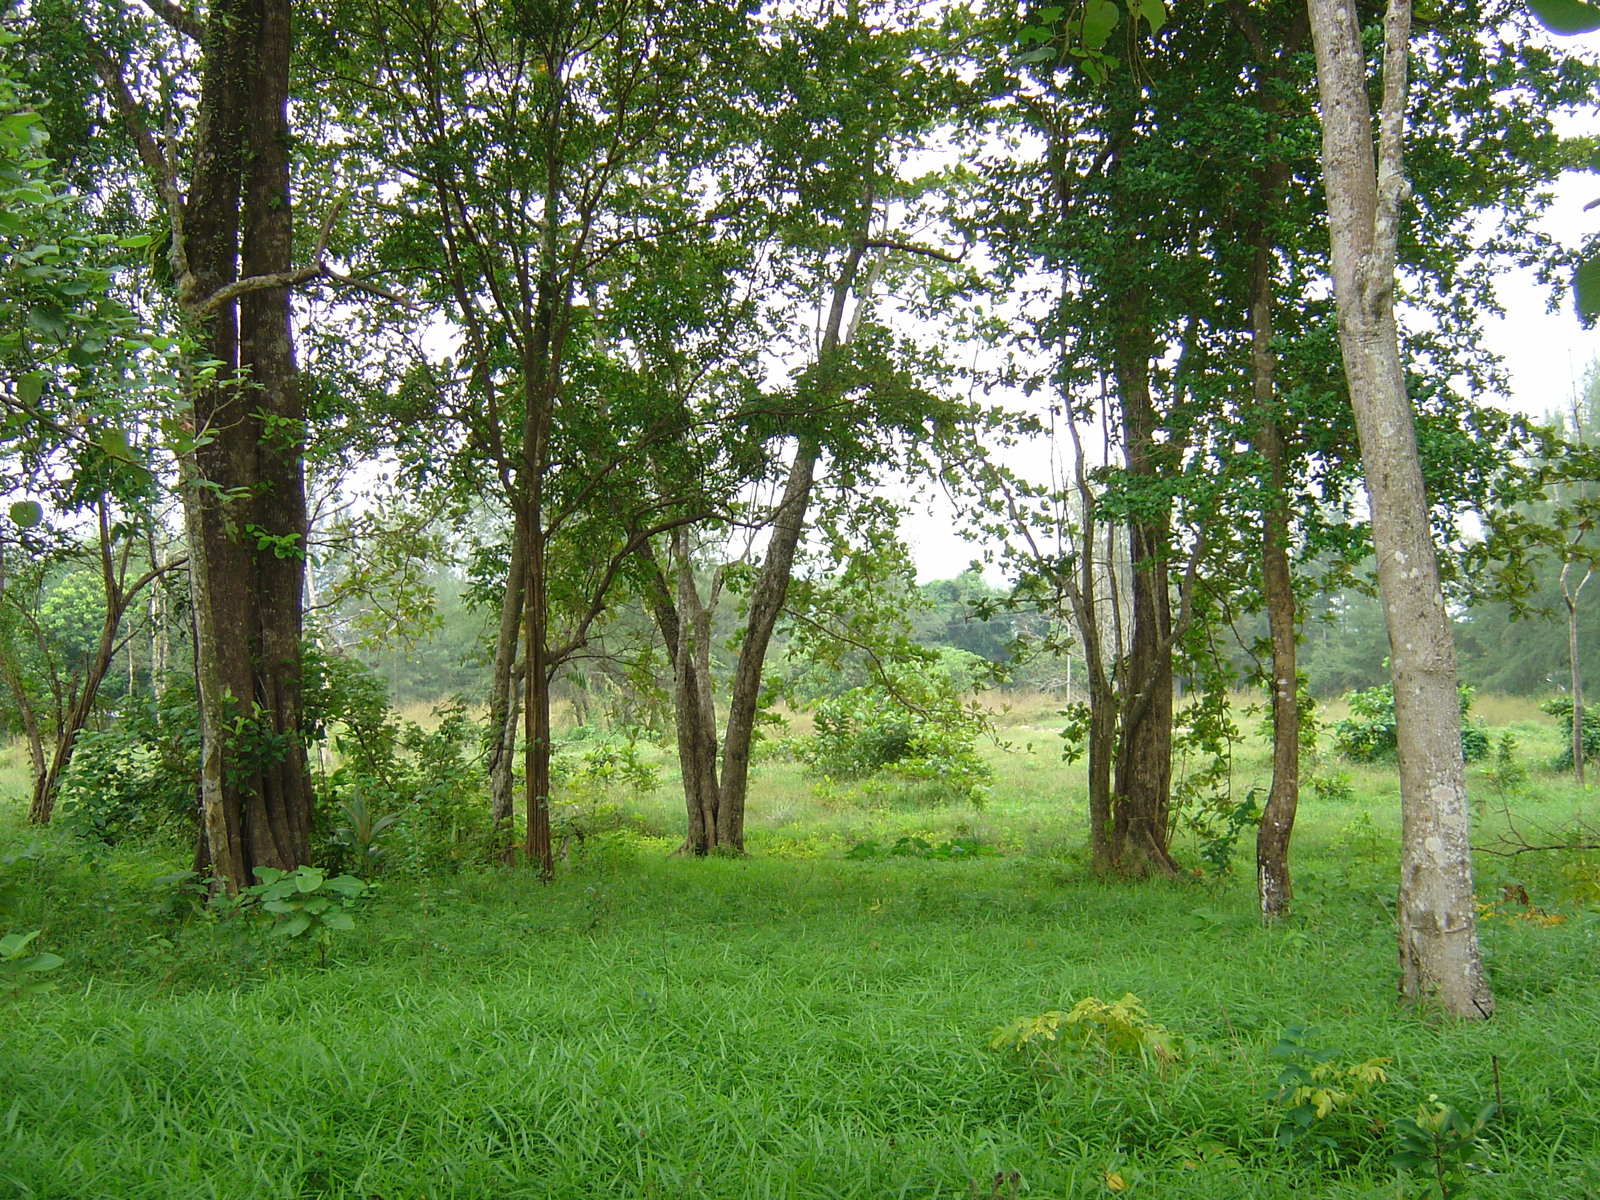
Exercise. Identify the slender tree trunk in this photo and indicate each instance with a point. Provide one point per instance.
(1274, 886)
(1439, 957)
(764, 605)
(42, 804)
(536, 679)
(118, 596)
(504, 699)
(12, 674)
(1574, 660)
(771, 588)
(693, 706)
(1144, 750)
(685, 626)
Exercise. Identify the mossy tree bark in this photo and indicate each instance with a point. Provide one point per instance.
(1439, 957)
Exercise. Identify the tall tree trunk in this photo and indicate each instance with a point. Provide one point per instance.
(1274, 887)
(11, 672)
(243, 485)
(536, 681)
(275, 792)
(1144, 750)
(504, 699)
(764, 605)
(1570, 595)
(1439, 957)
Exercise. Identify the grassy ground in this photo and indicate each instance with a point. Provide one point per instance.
(794, 1024)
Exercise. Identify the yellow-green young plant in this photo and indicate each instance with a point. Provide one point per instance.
(1583, 882)
(1091, 1026)
(1315, 1084)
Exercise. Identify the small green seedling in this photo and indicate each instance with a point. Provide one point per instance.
(361, 831)
(305, 903)
(20, 971)
(1441, 1142)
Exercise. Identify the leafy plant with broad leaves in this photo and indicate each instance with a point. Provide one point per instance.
(1441, 1142)
(1057, 34)
(21, 971)
(306, 904)
(1570, 17)
(361, 830)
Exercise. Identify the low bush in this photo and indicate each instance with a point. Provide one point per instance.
(1368, 734)
(136, 777)
(1560, 707)
(920, 735)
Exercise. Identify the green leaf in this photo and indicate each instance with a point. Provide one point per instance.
(30, 387)
(349, 885)
(293, 927)
(43, 962)
(13, 944)
(339, 920)
(1154, 13)
(1586, 287)
(1100, 17)
(114, 444)
(1566, 16)
(308, 879)
(27, 513)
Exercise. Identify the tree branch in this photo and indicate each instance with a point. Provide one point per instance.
(913, 248)
(1393, 189)
(179, 19)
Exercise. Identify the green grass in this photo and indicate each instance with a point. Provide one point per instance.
(788, 1025)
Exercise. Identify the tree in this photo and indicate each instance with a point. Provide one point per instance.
(1366, 189)
(565, 179)
(228, 237)
(77, 372)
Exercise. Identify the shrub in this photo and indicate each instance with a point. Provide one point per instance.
(918, 733)
(1368, 734)
(1560, 707)
(426, 779)
(1093, 1027)
(137, 777)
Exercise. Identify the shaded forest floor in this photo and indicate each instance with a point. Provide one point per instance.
(795, 1024)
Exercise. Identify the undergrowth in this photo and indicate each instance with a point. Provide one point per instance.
(800, 1023)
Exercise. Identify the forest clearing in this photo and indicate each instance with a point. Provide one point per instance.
(481, 717)
(811, 1020)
